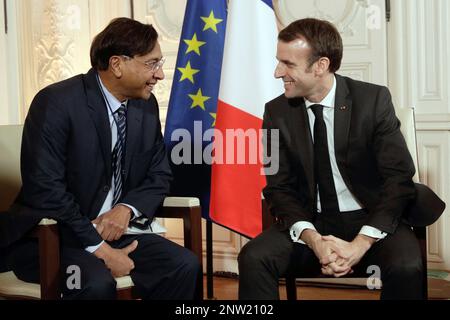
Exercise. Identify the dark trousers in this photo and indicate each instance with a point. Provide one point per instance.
(163, 269)
(273, 254)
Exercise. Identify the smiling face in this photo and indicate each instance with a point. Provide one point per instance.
(138, 79)
(301, 79)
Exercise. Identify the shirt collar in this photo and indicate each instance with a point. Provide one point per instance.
(114, 103)
(328, 101)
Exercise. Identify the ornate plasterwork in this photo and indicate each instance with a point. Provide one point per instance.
(168, 21)
(55, 47)
(321, 9)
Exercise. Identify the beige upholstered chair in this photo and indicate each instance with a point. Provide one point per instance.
(184, 208)
(408, 129)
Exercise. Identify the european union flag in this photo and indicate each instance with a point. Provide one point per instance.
(193, 101)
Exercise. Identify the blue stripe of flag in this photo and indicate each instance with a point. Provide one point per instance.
(194, 180)
(269, 3)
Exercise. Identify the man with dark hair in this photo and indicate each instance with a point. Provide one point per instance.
(93, 158)
(344, 179)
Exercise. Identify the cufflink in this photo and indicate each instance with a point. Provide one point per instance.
(343, 108)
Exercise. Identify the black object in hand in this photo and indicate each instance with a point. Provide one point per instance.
(141, 223)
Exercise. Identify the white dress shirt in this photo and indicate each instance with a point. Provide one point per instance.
(155, 227)
(346, 200)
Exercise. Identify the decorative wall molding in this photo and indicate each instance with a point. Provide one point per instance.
(429, 54)
(343, 14)
(434, 150)
(357, 71)
(433, 122)
(420, 68)
(167, 15)
(53, 41)
(55, 38)
(54, 49)
(101, 12)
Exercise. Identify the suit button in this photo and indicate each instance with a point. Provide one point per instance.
(106, 189)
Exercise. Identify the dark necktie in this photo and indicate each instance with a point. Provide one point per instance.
(118, 151)
(322, 165)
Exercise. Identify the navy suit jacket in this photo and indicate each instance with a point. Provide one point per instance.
(66, 161)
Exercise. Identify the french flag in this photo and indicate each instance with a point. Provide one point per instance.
(247, 83)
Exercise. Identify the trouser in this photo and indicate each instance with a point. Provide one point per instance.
(163, 269)
(273, 254)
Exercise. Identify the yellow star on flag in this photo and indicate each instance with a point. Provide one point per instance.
(194, 44)
(198, 100)
(211, 22)
(188, 72)
(214, 115)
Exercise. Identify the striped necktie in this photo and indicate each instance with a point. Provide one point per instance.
(118, 151)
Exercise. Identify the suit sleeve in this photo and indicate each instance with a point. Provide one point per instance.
(43, 159)
(395, 166)
(281, 192)
(149, 195)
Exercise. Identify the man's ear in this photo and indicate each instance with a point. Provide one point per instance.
(322, 65)
(115, 65)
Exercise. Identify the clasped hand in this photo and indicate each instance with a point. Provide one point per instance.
(337, 256)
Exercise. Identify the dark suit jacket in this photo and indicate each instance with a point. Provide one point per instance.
(66, 160)
(371, 154)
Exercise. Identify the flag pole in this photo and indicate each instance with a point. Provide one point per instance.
(209, 261)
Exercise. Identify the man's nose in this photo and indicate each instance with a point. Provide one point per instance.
(159, 74)
(279, 71)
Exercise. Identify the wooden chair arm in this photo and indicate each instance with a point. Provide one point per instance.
(181, 202)
(47, 234)
(189, 210)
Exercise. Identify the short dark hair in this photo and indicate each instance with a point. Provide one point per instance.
(322, 36)
(122, 36)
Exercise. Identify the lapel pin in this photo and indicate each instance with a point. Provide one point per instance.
(343, 108)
